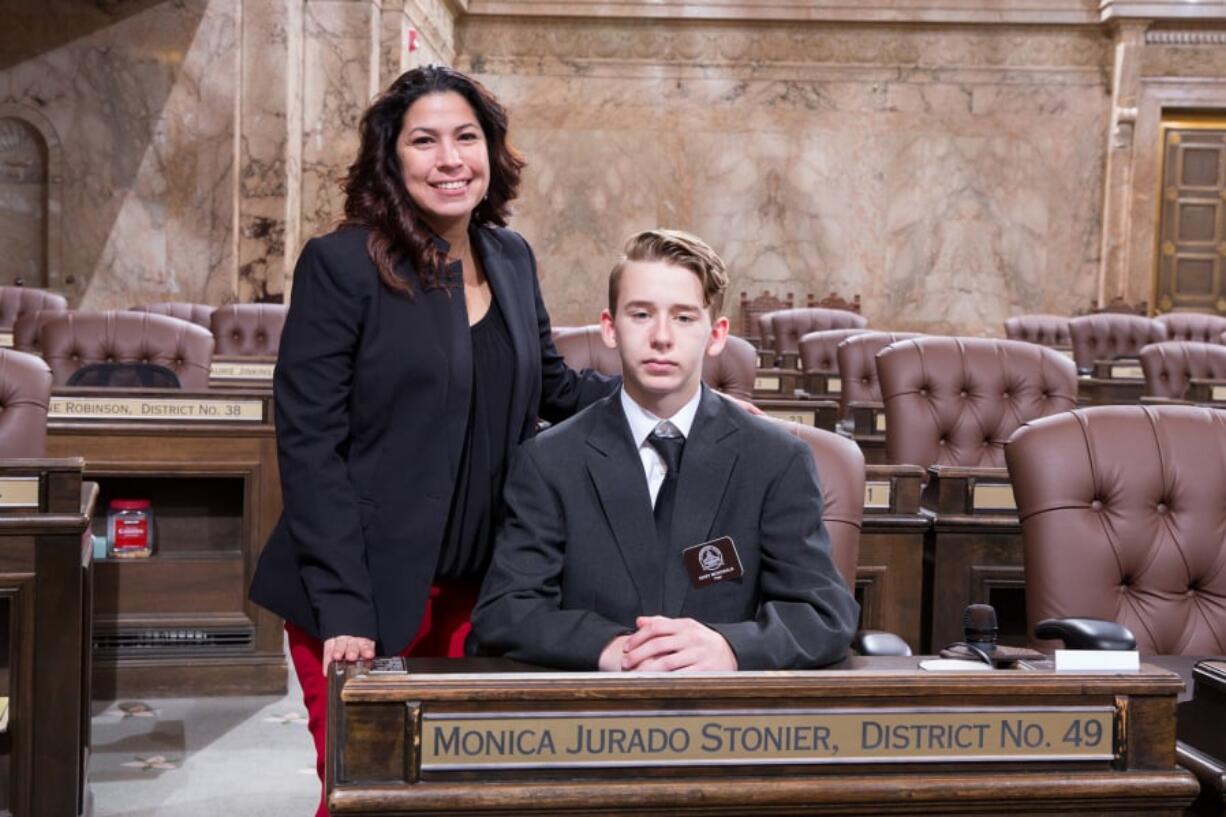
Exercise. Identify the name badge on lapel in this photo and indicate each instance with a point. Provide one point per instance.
(712, 562)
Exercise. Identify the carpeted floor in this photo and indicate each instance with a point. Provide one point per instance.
(203, 757)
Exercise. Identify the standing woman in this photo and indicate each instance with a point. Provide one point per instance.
(416, 355)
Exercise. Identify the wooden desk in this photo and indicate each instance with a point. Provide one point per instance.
(890, 569)
(1207, 392)
(1202, 730)
(822, 414)
(824, 385)
(45, 580)
(975, 551)
(1114, 383)
(179, 623)
(868, 430)
(469, 737)
(777, 383)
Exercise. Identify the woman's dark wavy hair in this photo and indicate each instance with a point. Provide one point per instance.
(375, 195)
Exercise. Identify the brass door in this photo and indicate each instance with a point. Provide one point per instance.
(1192, 232)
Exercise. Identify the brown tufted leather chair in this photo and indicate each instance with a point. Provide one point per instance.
(818, 350)
(1169, 365)
(857, 361)
(29, 326)
(783, 329)
(1111, 335)
(955, 401)
(731, 373)
(248, 330)
(1045, 330)
(840, 468)
(18, 301)
(77, 339)
(1123, 514)
(1197, 326)
(25, 392)
(196, 313)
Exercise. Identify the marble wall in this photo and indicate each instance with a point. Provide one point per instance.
(954, 170)
(140, 98)
(198, 143)
(952, 177)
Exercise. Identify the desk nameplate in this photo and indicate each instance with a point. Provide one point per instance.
(544, 740)
(208, 410)
(19, 492)
(993, 497)
(233, 370)
(1127, 372)
(805, 418)
(767, 384)
(877, 496)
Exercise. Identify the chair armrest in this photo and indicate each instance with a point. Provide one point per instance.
(877, 642)
(1087, 633)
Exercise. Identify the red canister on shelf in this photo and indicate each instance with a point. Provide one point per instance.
(129, 528)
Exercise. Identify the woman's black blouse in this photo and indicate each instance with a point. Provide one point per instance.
(469, 538)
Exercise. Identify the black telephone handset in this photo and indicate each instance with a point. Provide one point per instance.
(1087, 633)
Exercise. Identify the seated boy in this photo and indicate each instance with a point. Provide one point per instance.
(662, 528)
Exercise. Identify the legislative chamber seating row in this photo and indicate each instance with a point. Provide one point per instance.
(918, 541)
(238, 330)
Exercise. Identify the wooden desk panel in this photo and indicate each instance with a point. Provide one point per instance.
(45, 580)
(382, 760)
(974, 552)
(179, 623)
(890, 569)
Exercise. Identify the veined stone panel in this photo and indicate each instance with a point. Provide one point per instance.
(140, 97)
(951, 176)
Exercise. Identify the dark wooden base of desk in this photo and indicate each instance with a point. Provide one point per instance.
(1143, 794)
(188, 677)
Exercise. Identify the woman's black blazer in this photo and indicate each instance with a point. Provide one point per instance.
(372, 391)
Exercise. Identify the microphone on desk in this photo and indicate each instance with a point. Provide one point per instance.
(979, 627)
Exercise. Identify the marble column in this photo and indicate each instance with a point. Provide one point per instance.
(268, 159)
(1129, 42)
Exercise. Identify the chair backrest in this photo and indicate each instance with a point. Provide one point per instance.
(732, 372)
(840, 469)
(786, 326)
(25, 393)
(248, 329)
(17, 301)
(752, 309)
(835, 301)
(955, 401)
(77, 339)
(582, 348)
(196, 313)
(1198, 326)
(29, 327)
(1045, 330)
(1123, 512)
(857, 359)
(1109, 335)
(818, 350)
(1168, 366)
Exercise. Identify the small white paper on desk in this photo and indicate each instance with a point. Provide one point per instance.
(955, 664)
(1102, 660)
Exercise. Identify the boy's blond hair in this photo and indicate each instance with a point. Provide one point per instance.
(679, 249)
